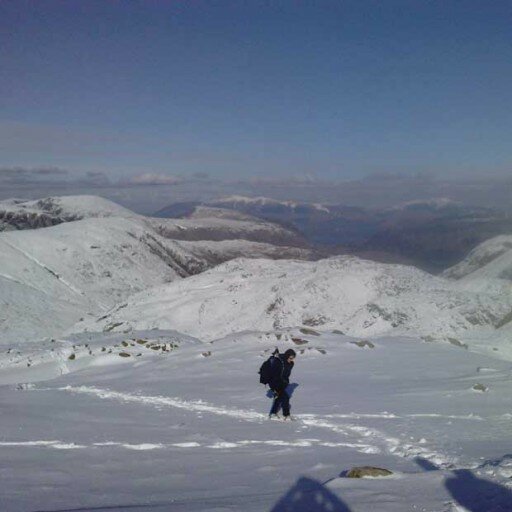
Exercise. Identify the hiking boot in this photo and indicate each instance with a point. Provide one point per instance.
(274, 417)
(289, 418)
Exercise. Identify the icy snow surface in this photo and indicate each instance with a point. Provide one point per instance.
(51, 277)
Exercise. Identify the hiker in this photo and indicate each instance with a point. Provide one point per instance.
(279, 380)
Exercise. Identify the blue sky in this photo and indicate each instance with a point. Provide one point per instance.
(331, 89)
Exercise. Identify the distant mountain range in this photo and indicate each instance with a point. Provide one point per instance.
(105, 268)
(432, 235)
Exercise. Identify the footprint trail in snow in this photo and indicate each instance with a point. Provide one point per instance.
(361, 438)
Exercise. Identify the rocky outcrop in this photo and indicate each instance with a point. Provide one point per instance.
(30, 220)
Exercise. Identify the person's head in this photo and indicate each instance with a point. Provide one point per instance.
(289, 355)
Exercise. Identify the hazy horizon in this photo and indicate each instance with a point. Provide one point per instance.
(148, 195)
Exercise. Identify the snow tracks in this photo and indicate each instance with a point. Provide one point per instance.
(359, 437)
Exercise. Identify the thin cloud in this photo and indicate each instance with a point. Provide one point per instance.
(97, 178)
(35, 175)
(153, 179)
(201, 176)
(149, 192)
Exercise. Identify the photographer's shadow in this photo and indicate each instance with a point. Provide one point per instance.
(476, 494)
(308, 495)
(473, 493)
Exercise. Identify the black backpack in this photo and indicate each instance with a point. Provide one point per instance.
(265, 370)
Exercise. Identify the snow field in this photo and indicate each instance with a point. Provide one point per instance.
(197, 428)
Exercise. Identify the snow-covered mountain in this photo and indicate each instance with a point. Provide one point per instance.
(433, 204)
(206, 224)
(359, 297)
(488, 268)
(262, 207)
(432, 234)
(51, 277)
(225, 228)
(239, 202)
(489, 260)
(23, 214)
(201, 212)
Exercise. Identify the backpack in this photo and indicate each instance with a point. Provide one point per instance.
(265, 370)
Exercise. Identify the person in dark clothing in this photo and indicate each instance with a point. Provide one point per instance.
(281, 370)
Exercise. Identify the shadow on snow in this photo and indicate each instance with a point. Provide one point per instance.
(473, 493)
(308, 495)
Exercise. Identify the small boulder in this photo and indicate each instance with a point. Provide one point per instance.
(457, 343)
(363, 471)
(311, 332)
(363, 344)
(480, 387)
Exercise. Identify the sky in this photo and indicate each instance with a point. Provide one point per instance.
(153, 92)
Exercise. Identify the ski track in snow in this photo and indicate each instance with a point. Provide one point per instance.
(26, 285)
(43, 266)
(374, 441)
(14, 280)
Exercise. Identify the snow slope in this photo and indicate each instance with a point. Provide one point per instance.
(488, 268)
(359, 297)
(201, 212)
(49, 278)
(52, 277)
(218, 252)
(96, 253)
(225, 228)
(186, 429)
(489, 261)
